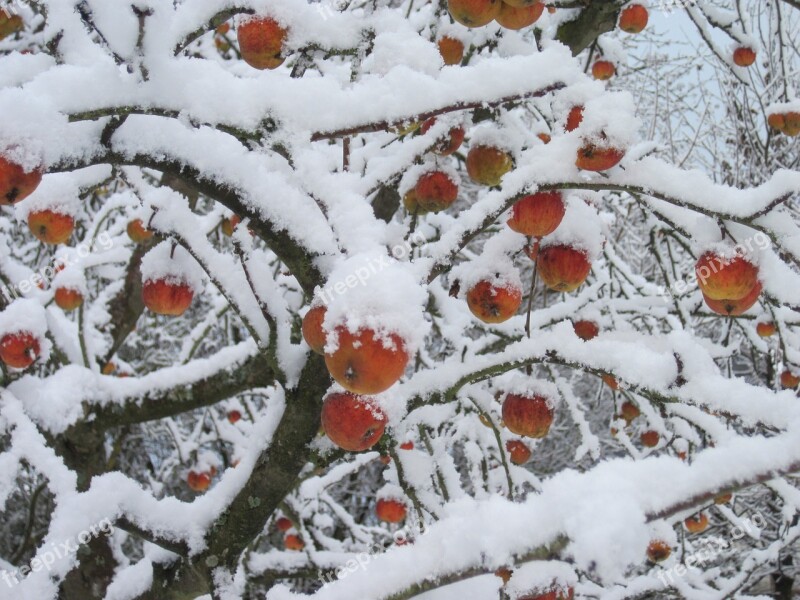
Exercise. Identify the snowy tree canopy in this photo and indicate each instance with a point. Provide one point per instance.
(399, 299)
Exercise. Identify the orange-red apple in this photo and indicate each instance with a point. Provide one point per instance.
(199, 482)
(9, 23)
(390, 511)
(658, 551)
(67, 299)
(261, 40)
(293, 541)
(229, 224)
(451, 49)
(649, 439)
(234, 416)
(492, 303)
(487, 165)
(283, 524)
(50, 227)
(629, 411)
(610, 381)
(518, 17)
(789, 380)
(167, 297)
(723, 498)
(545, 137)
(530, 416)
(574, 118)
(15, 182)
(407, 445)
(603, 70)
(554, 593)
(597, 158)
(354, 423)
(734, 308)
(313, 333)
(449, 144)
(537, 214)
(725, 278)
(366, 363)
(435, 191)
(563, 268)
(473, 13)
(518, 452)
(19, 350)
(744, 57)
(586, 330)
(138, 232)
(696, 523)
(633, 19)
(766, 329)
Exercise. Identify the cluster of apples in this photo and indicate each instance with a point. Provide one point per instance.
(363, 363)
(787, 123)
(730, 286)
(511, 14)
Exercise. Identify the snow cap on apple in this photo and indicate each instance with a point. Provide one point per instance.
(581, 228)
(373, 290)
(23, 318)
(540, 577)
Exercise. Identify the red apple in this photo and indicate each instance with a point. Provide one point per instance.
(313, 333)
(492, 303)
(234, 416)
(518, 452)
(530, 416)
(563, 268)
(435, 191)
(451, 49)
(407, 446)
(696, 523)
(586, 330)
(354, 423)
(15, 182)
(766, 329)
(629, 411)
(504, 573)
(658, 551)
(545, 137)
(789, 380)
(537, 214)
(487, 165)
(293, 541)
(610, 381)
(518, 17)
(597, 158)
(366, 363)
(448, 145)
(9, 23)
(603, 70)
(649, 439)
(723, 498)
(390, 511)
(574, 118)
(19, 350)
(283, 524)
(725, 278)
(744, 57)
(633, 19)
(138, 232)
(198, 482)
(473, 13)
(67, 299)
(50, 227)
(167, 297)
(734, 308)
(261, 41)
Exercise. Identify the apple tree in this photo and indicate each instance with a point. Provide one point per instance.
(399, 299)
